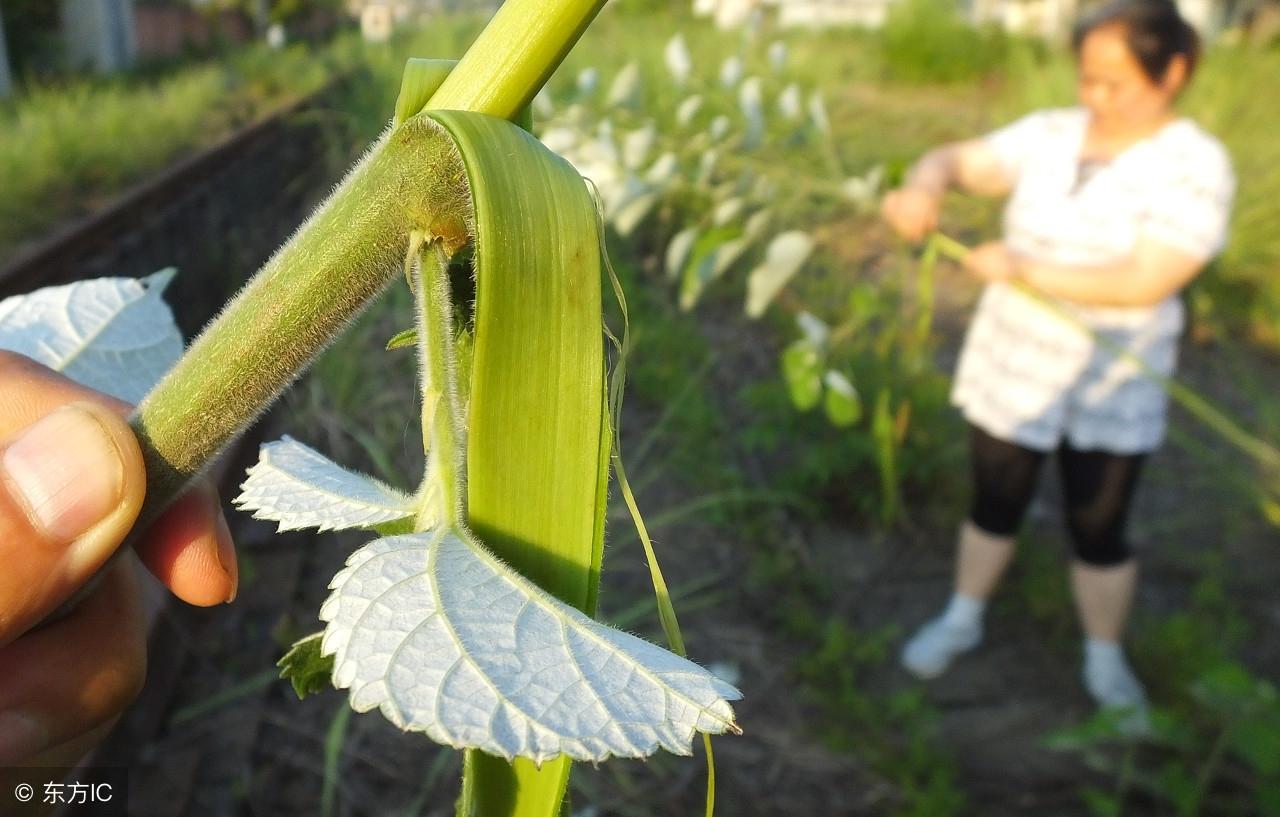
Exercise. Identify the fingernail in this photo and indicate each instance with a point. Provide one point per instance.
(21, 736)
(66, 470)
(227, 557)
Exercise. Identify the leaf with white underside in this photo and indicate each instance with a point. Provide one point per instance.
(841, 400)
(787, 252)
(678, 251)
(115, 335)
(679, 63)
(445, 639)
(298, 487)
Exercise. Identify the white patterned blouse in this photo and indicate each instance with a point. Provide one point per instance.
(1031, 377)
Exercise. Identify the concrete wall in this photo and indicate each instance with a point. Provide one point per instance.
(99, 34)
(6, 82)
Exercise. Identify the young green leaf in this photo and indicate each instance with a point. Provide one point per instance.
(802, 367)
(841, 401)
(444, 638)
(306, 668)
(711, 255)
(298, 487)
(115, 335)
(402, 340)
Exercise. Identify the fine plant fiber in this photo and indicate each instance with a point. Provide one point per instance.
(334, 740)
(617, 383)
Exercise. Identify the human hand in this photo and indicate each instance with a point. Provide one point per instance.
(71, 485)
(912, 212)
(991, 261)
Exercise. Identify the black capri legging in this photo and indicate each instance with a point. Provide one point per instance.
(1098, 488)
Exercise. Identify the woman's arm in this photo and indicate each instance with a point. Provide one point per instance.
(1147, 276)
(973, 165)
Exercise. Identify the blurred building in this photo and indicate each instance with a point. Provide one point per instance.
(98, 35)
(417, 9)
(1051, 19)
(167, 31)
(380, 18)
(826, 13)
(6, 82)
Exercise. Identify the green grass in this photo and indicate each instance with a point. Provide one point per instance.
(66, 149)
(63, 148)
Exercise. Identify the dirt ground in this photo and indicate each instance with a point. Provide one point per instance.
(215, 735)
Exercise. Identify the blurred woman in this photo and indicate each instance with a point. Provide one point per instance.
(1114, 206)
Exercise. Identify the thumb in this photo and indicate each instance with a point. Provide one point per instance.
(71, 486)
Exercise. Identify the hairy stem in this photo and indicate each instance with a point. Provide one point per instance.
(343, 255)
(304, 296)
(441, 413)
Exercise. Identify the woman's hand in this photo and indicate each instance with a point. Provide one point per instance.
(992, 261)
(71, 486)
(912, 212)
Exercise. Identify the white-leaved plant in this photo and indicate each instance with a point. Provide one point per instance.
(679, 63)
(506, 531)
(784, 257)
(431, 627)
(115, 335)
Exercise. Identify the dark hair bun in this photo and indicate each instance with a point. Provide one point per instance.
(1154, 30)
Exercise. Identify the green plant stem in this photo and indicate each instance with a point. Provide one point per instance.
(1204, 777)
(342, 256)
(439, 392)
(305, 295)
(514, 56)
(1125, 777)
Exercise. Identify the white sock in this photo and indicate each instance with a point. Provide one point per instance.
(964, 612)
(1101, 653)
(1108, 677)
(929, 652)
